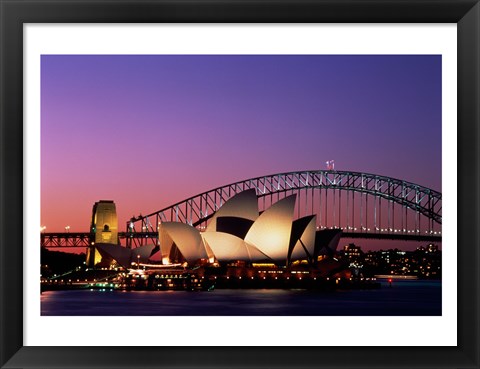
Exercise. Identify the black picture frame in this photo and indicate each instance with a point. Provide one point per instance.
(15, 13)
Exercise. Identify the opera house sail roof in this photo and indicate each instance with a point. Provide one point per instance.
(271, 231)
(236, 232)
(243, 205)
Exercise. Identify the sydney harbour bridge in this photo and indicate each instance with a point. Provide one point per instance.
(363, 205)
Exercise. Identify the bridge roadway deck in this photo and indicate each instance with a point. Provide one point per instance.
(393, 236)
(84, 239)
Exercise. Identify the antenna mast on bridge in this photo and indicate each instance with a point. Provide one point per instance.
(330, 164)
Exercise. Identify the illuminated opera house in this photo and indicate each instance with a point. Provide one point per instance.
(237, 234)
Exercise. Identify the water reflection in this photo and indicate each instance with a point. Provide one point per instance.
(405, 298)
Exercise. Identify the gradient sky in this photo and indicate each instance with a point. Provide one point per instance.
(148, 131)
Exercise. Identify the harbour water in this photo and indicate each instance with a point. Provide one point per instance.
(404, 298)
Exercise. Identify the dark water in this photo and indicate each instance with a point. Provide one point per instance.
(404, 298)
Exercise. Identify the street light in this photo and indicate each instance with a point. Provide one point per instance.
(67, 228)
(138, 261)
(43, 228)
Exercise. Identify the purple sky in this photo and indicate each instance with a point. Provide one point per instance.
(148, 131)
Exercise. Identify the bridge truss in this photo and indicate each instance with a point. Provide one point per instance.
(355, 202)
(65, 239)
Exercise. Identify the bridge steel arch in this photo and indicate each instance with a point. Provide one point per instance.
(420, 200)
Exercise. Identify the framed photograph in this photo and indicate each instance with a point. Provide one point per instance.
(266, 184)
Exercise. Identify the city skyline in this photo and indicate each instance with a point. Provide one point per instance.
(145, 131)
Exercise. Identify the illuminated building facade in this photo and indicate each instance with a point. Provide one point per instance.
(104, 226)
(237, 233)
(104, 222)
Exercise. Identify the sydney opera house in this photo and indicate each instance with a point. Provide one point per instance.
(237, 232)
(239, 242)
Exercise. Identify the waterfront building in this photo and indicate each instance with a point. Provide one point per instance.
(352, 252)
(237, 233)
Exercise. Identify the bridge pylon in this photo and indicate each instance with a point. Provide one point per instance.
(103, 229)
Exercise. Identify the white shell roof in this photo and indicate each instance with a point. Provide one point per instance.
(120, 254)
(186, 238)
(229, 247)
(226, 246)
(144, 252)
(333, 244)
(271, 231)
(308, 239)
(166, 243)
(242, 205)
(124, 256)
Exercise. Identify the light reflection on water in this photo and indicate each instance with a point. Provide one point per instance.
(405, 298)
